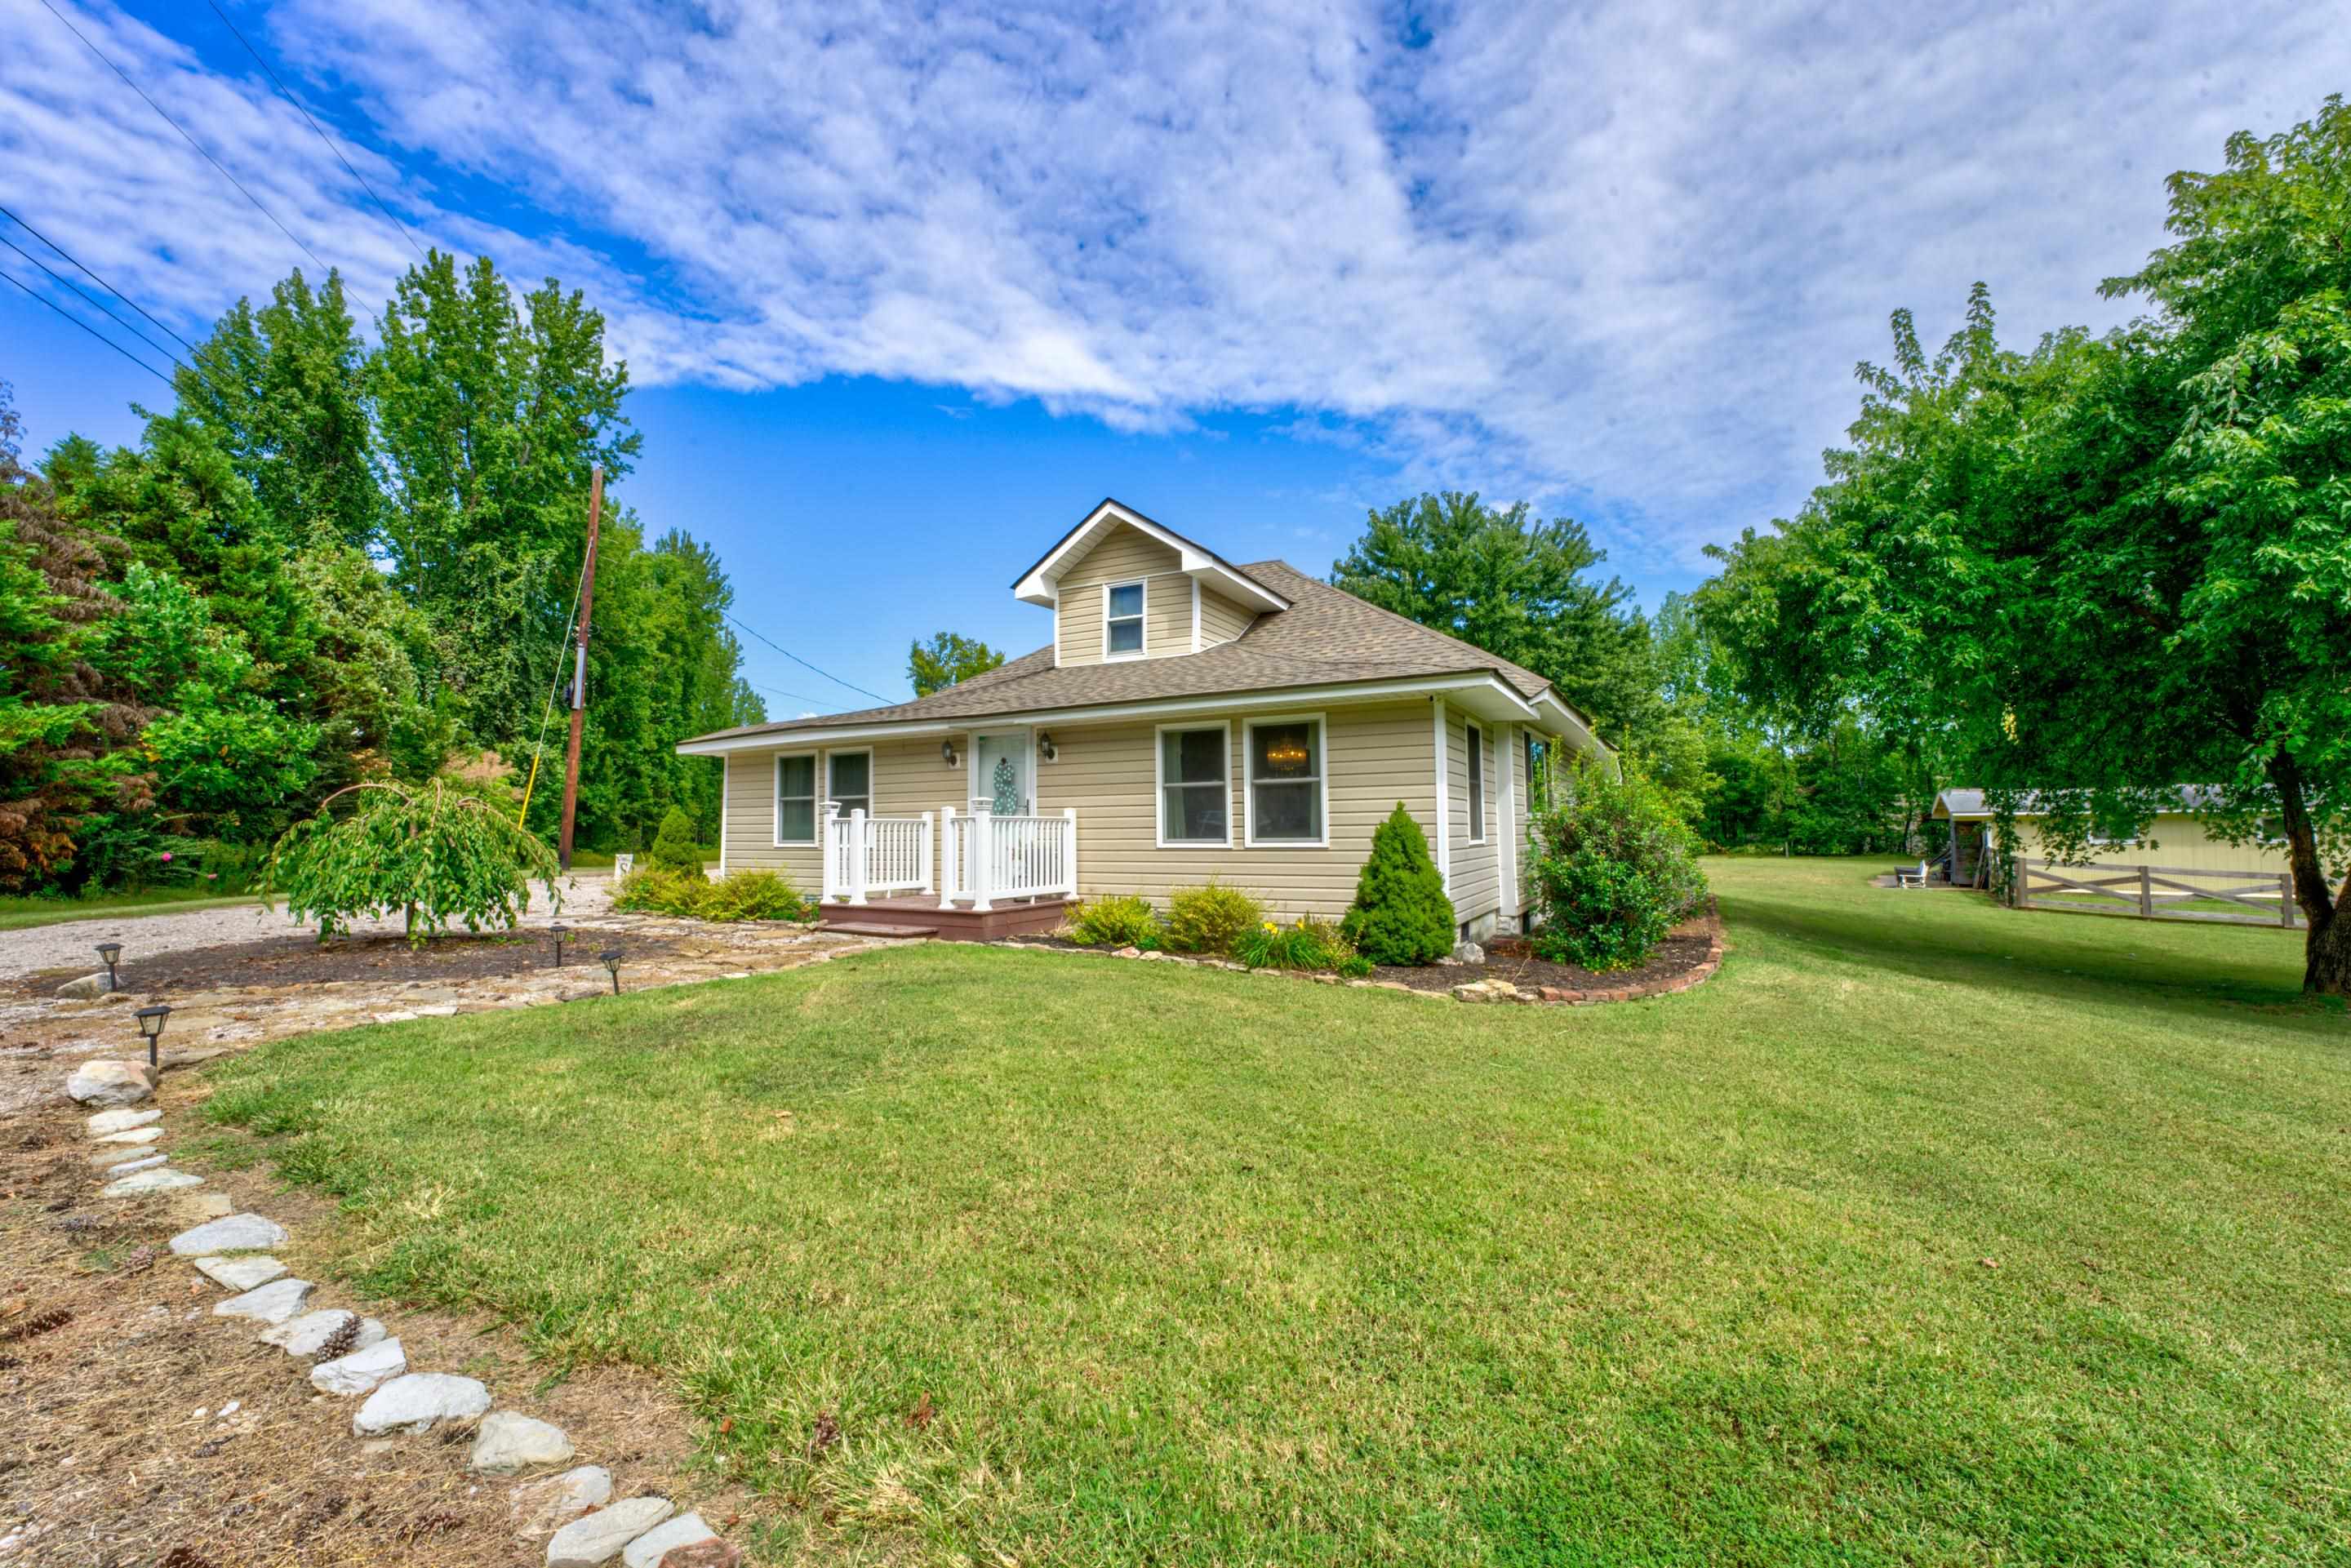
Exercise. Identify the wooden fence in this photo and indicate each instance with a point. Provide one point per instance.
(2156, 892)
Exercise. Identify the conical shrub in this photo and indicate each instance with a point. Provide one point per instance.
(1400, 915)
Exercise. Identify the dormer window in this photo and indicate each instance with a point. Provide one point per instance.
(1123, 620)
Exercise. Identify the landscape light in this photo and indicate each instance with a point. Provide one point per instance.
(108, 952)
(150, 1024)
(613, 957)
(559, 933)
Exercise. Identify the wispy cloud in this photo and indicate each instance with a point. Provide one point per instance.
(1615, 258)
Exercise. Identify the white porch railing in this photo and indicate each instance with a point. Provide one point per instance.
(987, 857)
(868, 855)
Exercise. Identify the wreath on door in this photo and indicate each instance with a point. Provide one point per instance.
(1005, 783)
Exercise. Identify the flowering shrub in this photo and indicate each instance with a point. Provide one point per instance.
(1309, 945)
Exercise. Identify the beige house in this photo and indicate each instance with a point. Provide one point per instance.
(2175, 838)
(1190, 718)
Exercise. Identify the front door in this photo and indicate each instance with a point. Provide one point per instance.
(999, 774)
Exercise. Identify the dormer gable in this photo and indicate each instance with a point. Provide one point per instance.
(1122, 587)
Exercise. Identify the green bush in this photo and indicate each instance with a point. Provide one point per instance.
(1613, 869)
(441, 855)
(1309, 945)
(673, 846)
(1209, 918)
(1117, 920)
(743, 896)
(1400, 915)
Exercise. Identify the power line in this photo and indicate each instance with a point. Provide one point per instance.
(779, 692)
(94, 278)
(94, 304)
(305, 113)
(803, 664)
(175, 125)
(87, 327)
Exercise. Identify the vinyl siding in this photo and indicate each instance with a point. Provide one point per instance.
(1477, 875)
(1221, 620)
(1126, 555)
(909, 778)
(1374, 757)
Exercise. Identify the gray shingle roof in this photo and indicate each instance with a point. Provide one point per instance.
(1326, 637)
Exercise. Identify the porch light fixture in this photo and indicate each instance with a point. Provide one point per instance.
(108, 952)
(1046, 748)
(947, 752)
(151, 1025)
(611, 957)
(559, 933)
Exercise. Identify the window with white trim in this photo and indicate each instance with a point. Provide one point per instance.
(1286, 803)
(1474, 745)
(1195, 789)
(848, 781)
(1122, 619)
(796, 800)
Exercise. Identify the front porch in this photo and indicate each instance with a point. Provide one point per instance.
(972, 876)
(922, 916)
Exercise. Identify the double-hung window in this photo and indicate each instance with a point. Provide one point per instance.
(1474, 745)
(795, 799)
(850, 781)
(1286, 784)
(1122, 620)
(1195, 791)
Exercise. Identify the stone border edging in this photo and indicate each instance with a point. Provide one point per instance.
(1469, 991)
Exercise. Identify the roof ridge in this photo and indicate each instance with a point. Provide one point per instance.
(1401, 620)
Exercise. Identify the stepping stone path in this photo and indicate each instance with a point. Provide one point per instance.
(585, 1528)
(360, 1371)
(419, 1402)
(240, 1273)
(272, 1303)
(510, 1443)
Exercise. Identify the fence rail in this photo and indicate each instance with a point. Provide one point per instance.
(868, 855)
(2154, 891)
(984, 857)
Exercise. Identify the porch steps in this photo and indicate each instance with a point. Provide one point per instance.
(922, 916)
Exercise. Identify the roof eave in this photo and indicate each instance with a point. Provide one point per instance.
(1038, 584)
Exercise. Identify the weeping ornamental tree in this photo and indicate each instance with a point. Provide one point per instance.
(442, 856)
(2114, 565)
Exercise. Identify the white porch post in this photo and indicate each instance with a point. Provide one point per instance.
(927, 843)
(979, 872)
(1070, 849)
(857, 856)
(1444, 801)
(828, 840)
(948, 881)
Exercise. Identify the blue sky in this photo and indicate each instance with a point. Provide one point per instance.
(907, 289)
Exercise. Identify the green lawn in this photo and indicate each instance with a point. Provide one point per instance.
(18, 914)
(1925, 1232)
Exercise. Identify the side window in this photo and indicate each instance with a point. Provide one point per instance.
(1476, 748)
(795, 799)
(852, 785)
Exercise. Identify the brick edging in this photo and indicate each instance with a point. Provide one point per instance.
(1479, 990)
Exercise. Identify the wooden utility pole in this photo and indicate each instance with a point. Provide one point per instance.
(579, 670)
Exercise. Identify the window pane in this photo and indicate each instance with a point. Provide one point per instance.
(796, 820)
(1192, 756)
(1477, 749)
(1288, 811)
(1127, 636)
(1193, 811)
(853, 777)
(1126, 598)
(1284, 751)
(796, 775)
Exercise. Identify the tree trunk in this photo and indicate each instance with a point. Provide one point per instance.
(2326, 952)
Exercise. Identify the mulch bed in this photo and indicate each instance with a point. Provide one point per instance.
(1508, 958)
(305, 960)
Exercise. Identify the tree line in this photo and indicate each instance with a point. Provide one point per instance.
(331, 562)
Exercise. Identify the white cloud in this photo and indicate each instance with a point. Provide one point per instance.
(1619, 258)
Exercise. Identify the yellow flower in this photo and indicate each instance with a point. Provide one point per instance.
(1269, 926)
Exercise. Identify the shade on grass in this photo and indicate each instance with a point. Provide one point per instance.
(1927, 1231)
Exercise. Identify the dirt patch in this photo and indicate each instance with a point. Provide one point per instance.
(305, 960)
(1510, 958)
(140, 1429)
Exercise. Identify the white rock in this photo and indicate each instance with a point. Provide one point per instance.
(420, 1401)
(107, 1122)
(510, 1443)
(150, 1181)
(271, 1304)
(240, 1273)
(360, 1371)
(595, 1539)
(550, 1503)
(307, 1335)
(647, 1550)
(89, 986)
(141, 1161)
(111, 1082)
(230, 1233)
(135, 1135)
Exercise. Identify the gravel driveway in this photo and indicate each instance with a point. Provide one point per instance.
(69, 945)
